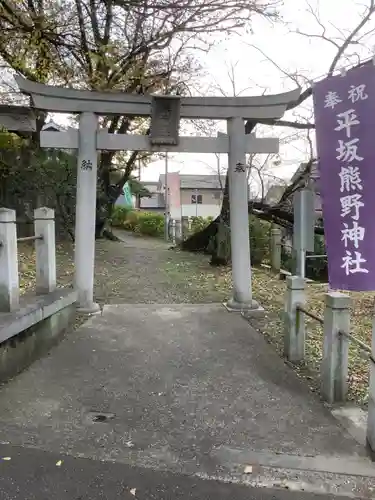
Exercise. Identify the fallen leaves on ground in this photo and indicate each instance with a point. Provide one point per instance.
(192, 279)
(270, 291)
(27, 265)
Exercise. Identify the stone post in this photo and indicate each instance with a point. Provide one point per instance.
(294, 321)
(179, 236)
(9, 281)
(334, 368)
(239, 218)
(86, 212)
(276, 249)
(45, 250)
(173, 224)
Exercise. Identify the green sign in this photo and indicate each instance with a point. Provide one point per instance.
(128, 196)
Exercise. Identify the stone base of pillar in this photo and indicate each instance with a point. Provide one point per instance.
(93, 308)
(250, 308)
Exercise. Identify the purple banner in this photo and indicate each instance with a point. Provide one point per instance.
(345, 136)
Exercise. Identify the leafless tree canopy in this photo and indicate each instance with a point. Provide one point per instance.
(108, 44)
(350, 47)
(140, 46)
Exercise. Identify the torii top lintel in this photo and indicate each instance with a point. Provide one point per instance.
(59, 99)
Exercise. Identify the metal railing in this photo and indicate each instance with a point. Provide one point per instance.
(45, 256)
(29, 238)
(336, 338)
(364, 347)
(311, 315)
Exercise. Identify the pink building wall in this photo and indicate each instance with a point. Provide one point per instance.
(174, 197)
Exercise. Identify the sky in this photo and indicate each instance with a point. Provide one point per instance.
(260, 62)
(247, 58)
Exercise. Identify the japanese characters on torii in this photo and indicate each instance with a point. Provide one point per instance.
(352, 232)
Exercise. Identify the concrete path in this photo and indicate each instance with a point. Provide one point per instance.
(184, 389)
(159, 400)
(33, 475)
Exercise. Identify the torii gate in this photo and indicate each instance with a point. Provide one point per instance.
(165, 112)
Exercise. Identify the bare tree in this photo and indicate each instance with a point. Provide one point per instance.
(349, 48)
(137, 46)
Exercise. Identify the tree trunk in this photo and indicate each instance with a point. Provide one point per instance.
(215, 238)
(220, 244)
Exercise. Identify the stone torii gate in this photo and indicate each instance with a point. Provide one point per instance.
(165, 112)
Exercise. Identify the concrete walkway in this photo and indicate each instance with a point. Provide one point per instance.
(171, 401)
(188, 389)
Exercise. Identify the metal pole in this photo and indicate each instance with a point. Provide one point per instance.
(139, 178)
(196, 203)
(301, 263)
(166, 198)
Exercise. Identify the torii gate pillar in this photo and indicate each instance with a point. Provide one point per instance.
(165, 112)
(239, 220)
(87, 172)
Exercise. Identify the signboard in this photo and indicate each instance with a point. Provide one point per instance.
(345, 124)
(165, 120)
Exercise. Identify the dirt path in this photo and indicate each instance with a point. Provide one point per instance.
(145, 270)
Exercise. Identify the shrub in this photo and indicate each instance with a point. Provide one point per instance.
(315, 268)
(147, 223)
(259, 240)
(150, 224)
(119, 215)
(131, 221)
(199, 223)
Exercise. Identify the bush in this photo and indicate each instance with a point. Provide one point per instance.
(150, 224)
(200, 223)
(259, 231)
(119, 215)
(147, 223)
(315, 268)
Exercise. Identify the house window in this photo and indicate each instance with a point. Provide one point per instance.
(217, 196)
(196, 199)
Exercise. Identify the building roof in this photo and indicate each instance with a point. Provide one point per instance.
(152, 186)
(52, 126)
(314, 173)
(188, 181)
(274, 193)
(17, 118)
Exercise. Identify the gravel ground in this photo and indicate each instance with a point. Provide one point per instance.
(137, 270)
(145, 270)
